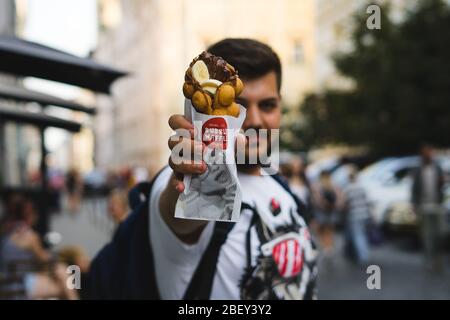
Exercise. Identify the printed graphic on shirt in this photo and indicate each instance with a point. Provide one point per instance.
(275, 207)
(286, 265)
(288, 255)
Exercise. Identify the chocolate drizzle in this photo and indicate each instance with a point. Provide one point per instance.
(218, 69)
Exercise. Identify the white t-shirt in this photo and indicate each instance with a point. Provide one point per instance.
(293, 270)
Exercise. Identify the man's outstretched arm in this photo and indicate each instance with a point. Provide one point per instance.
(188, 231)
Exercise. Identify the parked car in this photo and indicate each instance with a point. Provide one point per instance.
(340, 168)
(314, 169)
(388, 185)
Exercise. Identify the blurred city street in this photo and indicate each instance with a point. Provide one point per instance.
(403, 276)
(90, 228)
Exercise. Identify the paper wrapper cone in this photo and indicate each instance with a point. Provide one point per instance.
(216, 194)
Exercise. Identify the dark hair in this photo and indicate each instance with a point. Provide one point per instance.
(252, 59)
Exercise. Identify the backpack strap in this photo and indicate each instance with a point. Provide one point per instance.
(202, 280)
(248, 234)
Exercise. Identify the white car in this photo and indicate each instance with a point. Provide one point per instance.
(314, 169)
(388, 185)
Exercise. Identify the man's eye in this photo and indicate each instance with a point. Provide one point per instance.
(267, 106)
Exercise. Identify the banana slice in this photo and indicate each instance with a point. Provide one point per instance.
(200, 71)
(210, 89)
(211, 83)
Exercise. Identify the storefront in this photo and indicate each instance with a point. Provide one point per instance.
(23, 165)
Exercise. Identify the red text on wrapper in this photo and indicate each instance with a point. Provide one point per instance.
(215, 130)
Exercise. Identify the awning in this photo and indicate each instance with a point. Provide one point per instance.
(25, 95)
(25, 58)
(38, 119)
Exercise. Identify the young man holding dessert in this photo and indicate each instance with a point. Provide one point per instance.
(267, 254)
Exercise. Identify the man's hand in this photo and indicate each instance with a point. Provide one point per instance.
(187, 231)
(184, 164)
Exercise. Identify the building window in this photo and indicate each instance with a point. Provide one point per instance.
(298, 53)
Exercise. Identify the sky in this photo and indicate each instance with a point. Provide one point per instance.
(68, 25)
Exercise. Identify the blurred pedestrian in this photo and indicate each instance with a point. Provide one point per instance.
(126, 179)
(118, 205)
(23, 255)
(298, 181)
(56, 183)
(295, 173)
(140, 174)
(357, 215)
(327, 202)
(427, 197)
(74, 189)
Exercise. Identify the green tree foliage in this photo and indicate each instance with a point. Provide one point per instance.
(401, 95)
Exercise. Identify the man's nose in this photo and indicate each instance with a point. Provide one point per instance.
(253, 117)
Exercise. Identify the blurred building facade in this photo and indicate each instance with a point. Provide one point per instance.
(332, 34)
(11, 151)
(7, 17)
(7, 28)
(156, 40)
(333, 29)
(67, 150)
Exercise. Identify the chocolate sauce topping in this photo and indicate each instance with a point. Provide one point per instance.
(217, 68)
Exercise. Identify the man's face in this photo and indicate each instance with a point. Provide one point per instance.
(263, 103)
